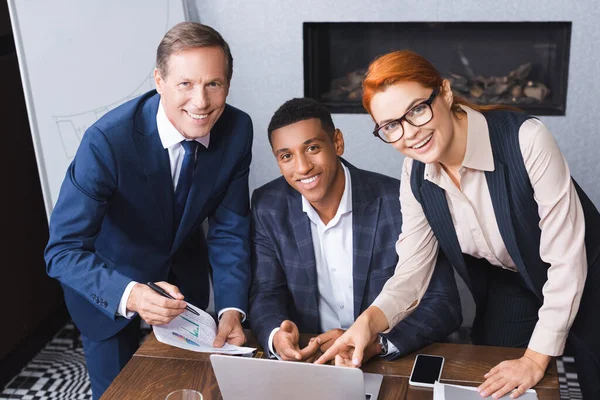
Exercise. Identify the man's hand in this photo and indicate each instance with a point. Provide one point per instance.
(154, 308)
(328, 339)
(230, 329)
(520, 375)
(285, 343)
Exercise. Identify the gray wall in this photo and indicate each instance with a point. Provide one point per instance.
(266, 41)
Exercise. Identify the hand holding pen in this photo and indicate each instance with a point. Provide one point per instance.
(152, 306)
(162, 292)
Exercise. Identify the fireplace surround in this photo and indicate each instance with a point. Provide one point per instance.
(524, 64)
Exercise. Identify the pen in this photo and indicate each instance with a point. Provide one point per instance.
(161, 291)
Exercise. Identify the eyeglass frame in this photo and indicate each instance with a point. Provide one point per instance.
(427, 102)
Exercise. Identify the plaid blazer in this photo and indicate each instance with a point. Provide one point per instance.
(284, 276)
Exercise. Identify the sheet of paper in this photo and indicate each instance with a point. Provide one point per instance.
(195, 333)
(444, 391)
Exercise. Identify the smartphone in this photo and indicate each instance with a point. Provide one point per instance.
(426, 370)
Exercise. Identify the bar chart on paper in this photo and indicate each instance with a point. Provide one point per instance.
(195, 333)
(193, 328)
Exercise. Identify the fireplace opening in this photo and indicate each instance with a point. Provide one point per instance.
(524, 64)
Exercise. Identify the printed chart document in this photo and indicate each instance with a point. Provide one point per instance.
(195, 333)
(444, 391)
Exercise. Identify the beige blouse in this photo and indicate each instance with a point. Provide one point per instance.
(561, 222)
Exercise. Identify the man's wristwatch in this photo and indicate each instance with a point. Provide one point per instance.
(383, 343)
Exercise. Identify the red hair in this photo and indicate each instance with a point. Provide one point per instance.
(407, 66)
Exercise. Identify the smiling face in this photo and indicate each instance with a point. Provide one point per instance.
(428, 143)
(308, 159)
(194, 91)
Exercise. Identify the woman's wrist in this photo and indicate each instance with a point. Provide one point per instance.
(376, 320)
(539, 359)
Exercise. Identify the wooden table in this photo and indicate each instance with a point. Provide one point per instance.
(157, 369)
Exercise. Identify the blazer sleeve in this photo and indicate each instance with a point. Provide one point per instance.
(228, 234)
(87, 189)
(438, 315)
(269, 294)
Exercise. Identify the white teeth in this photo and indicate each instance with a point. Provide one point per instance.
(197, 116)
(423, 143)
(309, 180)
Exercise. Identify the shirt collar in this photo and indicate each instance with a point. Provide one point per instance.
(345, 202)
(478, 154)
(169, 135)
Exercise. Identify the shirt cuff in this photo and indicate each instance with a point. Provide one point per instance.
(232, 308)
(547, 342)
(391, 349)
(272, 352)
(387, 305)
(122, 309)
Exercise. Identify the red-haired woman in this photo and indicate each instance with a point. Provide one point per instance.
(490, 188)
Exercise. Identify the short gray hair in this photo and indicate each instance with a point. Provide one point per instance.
(189, 35)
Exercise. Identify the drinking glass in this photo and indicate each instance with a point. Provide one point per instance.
(184, 394)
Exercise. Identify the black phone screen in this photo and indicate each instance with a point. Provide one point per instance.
(427, 369)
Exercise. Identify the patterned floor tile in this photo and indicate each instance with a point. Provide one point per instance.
(56, 372)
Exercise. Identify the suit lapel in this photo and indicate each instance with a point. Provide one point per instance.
(365, 215)
(155, 163)
(303, 239)
(500, 201)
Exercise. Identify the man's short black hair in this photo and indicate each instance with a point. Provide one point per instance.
(300, 109)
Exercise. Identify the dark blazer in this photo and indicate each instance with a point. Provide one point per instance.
(113, 221)
(284, 282)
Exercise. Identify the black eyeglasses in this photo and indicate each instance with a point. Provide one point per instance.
(419, 115)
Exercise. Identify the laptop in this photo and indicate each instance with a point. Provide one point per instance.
(242, 378)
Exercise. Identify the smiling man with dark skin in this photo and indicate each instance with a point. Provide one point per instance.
(323, 246)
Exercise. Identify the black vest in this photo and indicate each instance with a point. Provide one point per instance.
(514, 205)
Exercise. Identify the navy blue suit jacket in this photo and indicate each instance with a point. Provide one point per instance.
(113, 221)
(284, 282)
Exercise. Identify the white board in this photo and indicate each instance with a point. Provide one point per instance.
(79, 59)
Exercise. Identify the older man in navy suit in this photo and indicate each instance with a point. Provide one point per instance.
(323, 246)
(131, 207)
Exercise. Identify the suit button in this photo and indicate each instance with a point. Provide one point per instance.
(105, 304)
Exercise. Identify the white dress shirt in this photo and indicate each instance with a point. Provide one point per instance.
(170, 139)
(333, 254)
